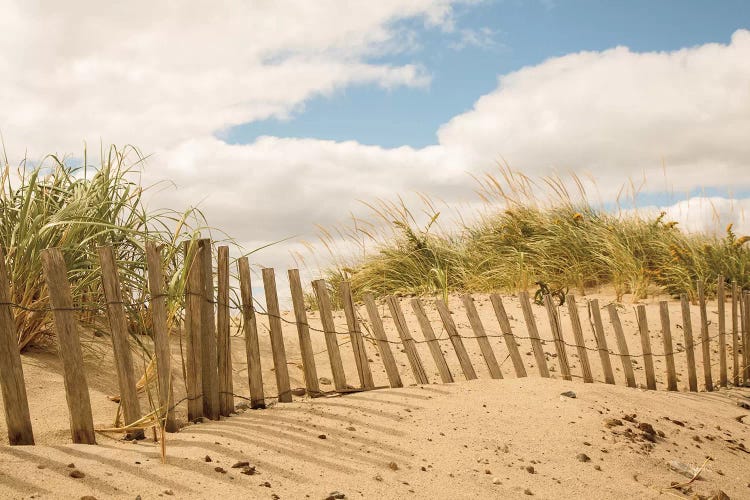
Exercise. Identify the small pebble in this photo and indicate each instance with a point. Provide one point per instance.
(393, 466)
(76, 474)
(582, 457)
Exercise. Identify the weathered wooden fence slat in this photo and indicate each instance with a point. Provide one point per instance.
(575, 322)
(622, 345)
(429, 334)
(162, 352)
(384, 346)
(281, 370)
(648, 358)
(455, 338)
(536, 342)
(705, 346)
(223, 339)
(721, 298)
(303, 333)
(735, 334)
(408, 342)
(554, 321)
(597, 325)
(510, 340)
(209, 355)
(484, 344)
(193, 316)
(355, 335)
(250, 327)
(15, 402)
(118, 325)
(332, 342)
(69, 344)
(666, 334)
(687, 330)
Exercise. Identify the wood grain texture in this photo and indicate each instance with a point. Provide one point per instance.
(250, 329)
(575, 323)
(648, 358)
(417, 368)
(510, 340)
(735, 335)
(277, 338)
(687, 330)
(68, 340)
(162, 352)
(332, 341)
(193, 316)
(209, 355)
(536, 341)
(666, 334)
(12, 384)
(455, 338)
(597, 325)
(355, 335)
(223, 339)
(118, 325)
(622, 345)
(384, 346)
(429, 334)
(556, 327)
(705, 345)
(303, 333)
(484, 343)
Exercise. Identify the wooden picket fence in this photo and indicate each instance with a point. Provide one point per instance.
(207, 325)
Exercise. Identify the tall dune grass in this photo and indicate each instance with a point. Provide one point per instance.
(533, 231)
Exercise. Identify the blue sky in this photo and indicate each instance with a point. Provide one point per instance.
(521, 33)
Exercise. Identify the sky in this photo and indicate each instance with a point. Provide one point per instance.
(274, 117)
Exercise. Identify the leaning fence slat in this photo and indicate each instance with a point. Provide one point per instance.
(432, 342)
(648, 358)
(510, 340)
(118, 326)
(735, 333)
(332, 343)
(597, 325)
(484, 343)
(406, 339)
(303, 333)
(250, 329)
(622, 345)
(746, 340)
(209, 357)
(193, 316)
(455, 338)
(66, 328)
(721, 298)
(687, 329)
(554, 322)
(277, 338)
(15, 402)
(575, 322)
(355, 335)
(536, 341)
(706, 348)
(384, 346)
(161, 336)
(666, 333)
(223, 339)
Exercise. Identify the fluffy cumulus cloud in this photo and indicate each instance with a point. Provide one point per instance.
(168, 76)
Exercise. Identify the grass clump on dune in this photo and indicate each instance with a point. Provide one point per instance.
(518, 241)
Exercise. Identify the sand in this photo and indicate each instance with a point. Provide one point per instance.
(470, 439)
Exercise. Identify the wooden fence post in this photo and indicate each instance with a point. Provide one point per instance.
(384, 346)
(746, 340)
(161, 335)
(455, 338)
(210, 359)
(355, 334)
(223, 338)
(627, 365)
(303, 332)
(575, 322)
(648, 358)
(432, 342)
(554, 321)
(250, 329)
(15, 402)
(484, 344)
(332, 341)
(721, 298)
(595, 319)
(704, 338)
(277, 336)
(193, 317)
(536, 342)
(406, 339)
(735, 333)
(118, 326)
(66, 328)
(510, 340)
(666, 333)
(687, 329)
